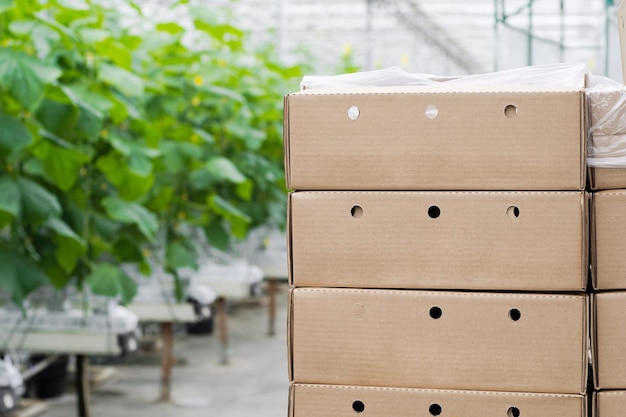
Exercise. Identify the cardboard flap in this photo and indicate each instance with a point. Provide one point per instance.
(621, 24)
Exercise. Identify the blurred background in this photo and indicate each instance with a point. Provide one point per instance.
(143, 265)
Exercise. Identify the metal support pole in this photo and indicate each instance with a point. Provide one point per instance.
(82, 386)
(167, 359)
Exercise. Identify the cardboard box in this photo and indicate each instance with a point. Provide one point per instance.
(612, 178)
(516, 342)
(609, 404)
(438, 137)
(346, 401)
(609, 240)
(531, 241)
(609, 339)
(607, 178)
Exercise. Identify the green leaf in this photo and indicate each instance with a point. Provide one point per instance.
(58, 118)
(244, 190)
(216, 169)
(226, 208)
(13, 134)
(110, 281)
(179, 255)
(61, 165)
(18, 275)
(69, 246)
(9, 201)
(38, 204)
(217, 235)
(139, 157)
(132, 213)
(170, 27)
(116, 52)
(253, 138)
(130, 185)
(225, 92)
(222, 169)
(123, 80)
(83, 96)
(90, 35)
(6, 5)
(89, 123)
(178, 156)
(25, 77)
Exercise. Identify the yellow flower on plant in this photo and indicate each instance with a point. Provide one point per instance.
(5, 42)
(220, 63)
(104, 133)
(347, 49)
(146, 252)
(195, 101)
(194, 138)
(181, 215)
(198, 80)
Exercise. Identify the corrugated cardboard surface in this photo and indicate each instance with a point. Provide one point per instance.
(390, 338)
(345, 401)
(610, 404)
(613, 178)
(480, 240)
(485, 137)
(609, 240)
(621, 25)
(607, 178)
(609, 335)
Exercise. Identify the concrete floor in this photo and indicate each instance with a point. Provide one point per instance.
(254, 383)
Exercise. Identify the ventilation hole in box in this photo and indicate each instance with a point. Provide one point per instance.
(435, 312)
(356, 211)
(358, 406)
(510, 111)
(513, 412)
(513, 212)
(515, 314)
(433, 212)
(353, 113)
(434, 409)
(431, 112)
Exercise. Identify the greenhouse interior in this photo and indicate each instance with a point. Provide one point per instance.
(309, 208)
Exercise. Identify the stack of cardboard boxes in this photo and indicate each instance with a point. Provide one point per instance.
(438, 249)
(607, 110)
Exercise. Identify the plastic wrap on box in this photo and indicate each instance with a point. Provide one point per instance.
(607, 107)
(564, 75)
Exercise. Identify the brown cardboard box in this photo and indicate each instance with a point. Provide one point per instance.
(439, 340)
(609, 240)
(347, 401)
(535, 241)
(609, 404)
(438, 137)
(607, 178)
(609, 339)
(611, 178)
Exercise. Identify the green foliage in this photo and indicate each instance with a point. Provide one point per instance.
(113, 141)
